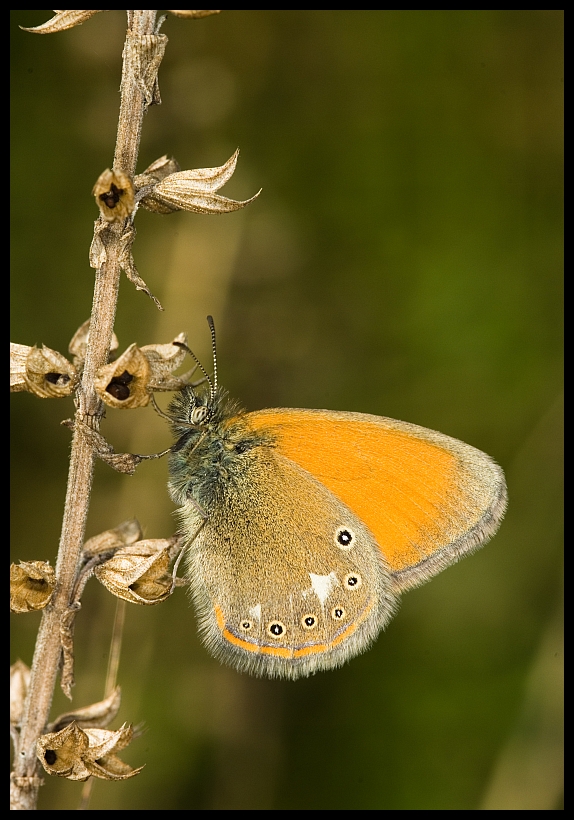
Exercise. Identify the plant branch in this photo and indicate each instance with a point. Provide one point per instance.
(142, 55)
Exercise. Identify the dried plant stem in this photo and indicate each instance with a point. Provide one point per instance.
(115, 648)
(135, 98)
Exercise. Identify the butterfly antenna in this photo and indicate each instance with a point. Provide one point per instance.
(198, 363)
(214, 351)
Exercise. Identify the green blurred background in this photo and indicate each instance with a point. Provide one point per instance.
(403, 259)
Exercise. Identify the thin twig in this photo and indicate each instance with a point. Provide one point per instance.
(115, 648)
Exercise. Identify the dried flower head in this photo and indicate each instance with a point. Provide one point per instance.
(114, 194)
(41, 371)
(128, 532)
(31, 585)
(63, 20)
(163, 360)
(77, 753)
(124, 383)
(130, 380)
(140, 573)
(193, 191)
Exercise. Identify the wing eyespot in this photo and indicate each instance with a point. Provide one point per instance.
(345, 538)
(309, 621)
(352, 581)
(276, 629)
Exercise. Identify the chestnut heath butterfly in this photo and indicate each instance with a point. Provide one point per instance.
(303, 527)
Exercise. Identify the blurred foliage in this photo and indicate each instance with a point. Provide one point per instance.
(404, 259)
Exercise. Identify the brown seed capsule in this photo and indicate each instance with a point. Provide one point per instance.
(195, 191)
(41, 371)
(77, 753)
(63, 20)
(129, 381)
(114, 194)
(31, 585)
(125, 383)
(139, 573)
(128, 532)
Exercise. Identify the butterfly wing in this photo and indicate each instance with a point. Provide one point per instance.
(316, 521)
(427, 499)
(286, 580)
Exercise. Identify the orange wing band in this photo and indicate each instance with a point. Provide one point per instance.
(409, 491)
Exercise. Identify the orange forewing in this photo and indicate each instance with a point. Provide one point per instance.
(418, 491)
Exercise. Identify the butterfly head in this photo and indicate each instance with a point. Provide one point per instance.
(193, 410)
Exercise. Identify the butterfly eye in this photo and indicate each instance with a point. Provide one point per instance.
(276, 629)
(338, 613)
(352, 581)
(344, 538)
(199, 414)
(245, 626)
(309, 621)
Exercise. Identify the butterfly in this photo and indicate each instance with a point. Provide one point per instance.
(303, 527)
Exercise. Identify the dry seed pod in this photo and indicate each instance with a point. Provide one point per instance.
(41, 371)
(139, 573)
(114, 194)
(63, 20)
(77, 753)
(18, 359)
(195, 191)
(163, 360)
(125, 382)
(31, 585)
(128, 532)
(129, 381)
(61, 753)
